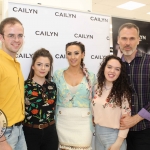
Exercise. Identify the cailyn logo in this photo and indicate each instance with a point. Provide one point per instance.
(97, 56)
(85, 36)
(60, 14)
(24, 55)
(46, 33)
(99, 19)
(25, 10)
(142, 37)
(58, 56)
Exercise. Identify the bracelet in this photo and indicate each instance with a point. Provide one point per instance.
(3, 140)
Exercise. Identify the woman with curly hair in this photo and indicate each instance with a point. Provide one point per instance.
(110, 102)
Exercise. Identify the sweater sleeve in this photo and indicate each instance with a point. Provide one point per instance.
(144, 114)
(125, 109)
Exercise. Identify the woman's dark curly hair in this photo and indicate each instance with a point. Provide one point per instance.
(120, 87)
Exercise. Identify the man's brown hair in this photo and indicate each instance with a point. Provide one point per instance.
(9, 20)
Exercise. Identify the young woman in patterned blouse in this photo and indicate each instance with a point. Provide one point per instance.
(110, 102)
(40, 98)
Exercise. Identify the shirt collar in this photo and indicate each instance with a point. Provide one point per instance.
(139, 53)
(7, 56)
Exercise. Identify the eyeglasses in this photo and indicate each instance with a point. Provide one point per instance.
(13, 36)
(44, 96)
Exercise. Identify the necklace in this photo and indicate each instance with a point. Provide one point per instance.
(107, 88)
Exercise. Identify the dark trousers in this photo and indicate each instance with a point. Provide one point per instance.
(41, 139)
(138, 140)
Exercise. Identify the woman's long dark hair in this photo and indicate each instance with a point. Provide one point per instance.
(41, 53)
(120, 87)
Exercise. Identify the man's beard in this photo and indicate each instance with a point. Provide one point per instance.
(129, 52)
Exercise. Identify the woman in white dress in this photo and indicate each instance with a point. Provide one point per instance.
(73, 115)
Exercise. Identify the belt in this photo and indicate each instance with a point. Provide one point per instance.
(18, 123)
(39, 126)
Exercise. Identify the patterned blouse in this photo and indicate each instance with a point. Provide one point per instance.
(39, 102)
(107, 114)
(66, 98)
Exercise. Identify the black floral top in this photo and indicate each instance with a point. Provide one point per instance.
(39, 102)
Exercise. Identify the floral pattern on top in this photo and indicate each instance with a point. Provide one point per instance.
(39, 102)
(66, 98)
(110, 102)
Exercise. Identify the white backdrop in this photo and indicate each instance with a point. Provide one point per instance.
(53, 28)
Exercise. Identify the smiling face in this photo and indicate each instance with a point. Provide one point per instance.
(74, 55)
(12, 45)
(41, 67)
(128, 40)
(112, 70)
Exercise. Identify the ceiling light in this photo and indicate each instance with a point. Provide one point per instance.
(148, 13)
(131, 5)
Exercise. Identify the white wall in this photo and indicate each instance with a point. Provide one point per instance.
(4, 9)
(71, 4)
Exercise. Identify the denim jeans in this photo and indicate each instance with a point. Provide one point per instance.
(105, 137)
(15, 138)
(41, 139)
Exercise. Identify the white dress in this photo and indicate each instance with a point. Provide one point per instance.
(74, 126)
